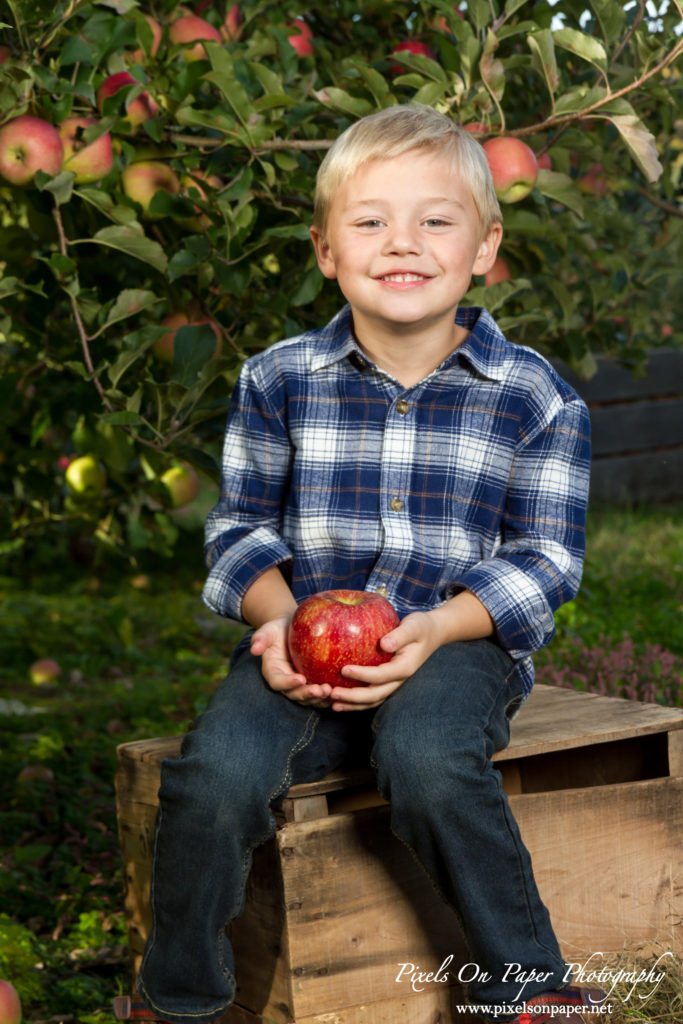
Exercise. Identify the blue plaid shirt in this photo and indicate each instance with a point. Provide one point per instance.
(476, 478)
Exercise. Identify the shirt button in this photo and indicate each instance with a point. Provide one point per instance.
(402, 407)
(382, 591)
(396, 504)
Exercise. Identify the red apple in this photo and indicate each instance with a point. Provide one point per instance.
(475, 128)
(410, 46)
(594, 181)
(544, 162)
(191, 29)
(301, 38)
(233, 24)
(29, 144)
(157, 33)
(10, 1004)
(89, 161)
(143, 108)
(142, 180)
(336, 628)
(513, 167)
(500, 271)
(44, 671)
(163, 346)
(182, 484)
(193, 181)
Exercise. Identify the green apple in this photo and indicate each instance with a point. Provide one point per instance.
(182, 484)
(85, 477)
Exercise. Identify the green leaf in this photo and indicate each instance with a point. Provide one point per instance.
(193, 347)
(331, 96)
(561, 189)
(640, 143)
(586, 47)
(123, 418)
(542, 49)
(496, 295)
(611, 16)
(129, 302)
(579, 99)
(127, 239)
(309, 287)
(61, 185)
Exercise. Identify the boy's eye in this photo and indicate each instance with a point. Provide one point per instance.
(436, 222)
(371, 222)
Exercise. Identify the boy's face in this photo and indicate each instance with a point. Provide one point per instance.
(403, 240)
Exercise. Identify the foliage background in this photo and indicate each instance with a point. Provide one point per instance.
(87, 275)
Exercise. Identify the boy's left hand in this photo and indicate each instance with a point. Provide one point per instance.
(411, 643)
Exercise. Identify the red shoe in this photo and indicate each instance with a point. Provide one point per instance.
(568, 1006)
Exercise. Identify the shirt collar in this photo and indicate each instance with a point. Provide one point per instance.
(484, 348)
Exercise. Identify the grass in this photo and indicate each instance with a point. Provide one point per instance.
(140, 656)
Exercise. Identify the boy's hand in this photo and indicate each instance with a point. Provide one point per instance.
(270, 642)
(411, 643)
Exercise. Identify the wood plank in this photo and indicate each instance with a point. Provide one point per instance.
(608, 862)
(655, 476)
(358, 905)
(637, 426)
(612, 382)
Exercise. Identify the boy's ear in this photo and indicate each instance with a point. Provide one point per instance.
(488, 250)
(323, 254)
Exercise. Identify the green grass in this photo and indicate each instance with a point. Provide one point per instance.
(140, 656)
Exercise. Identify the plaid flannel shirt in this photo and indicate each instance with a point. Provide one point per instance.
(475, 478)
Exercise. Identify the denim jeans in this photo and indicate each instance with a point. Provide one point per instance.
(430, 744)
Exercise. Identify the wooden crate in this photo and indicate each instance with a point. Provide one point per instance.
(335, 903)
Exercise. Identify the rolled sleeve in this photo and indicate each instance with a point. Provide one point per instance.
(538, 563)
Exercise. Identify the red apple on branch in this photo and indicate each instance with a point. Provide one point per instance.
(10, 1004)
(301, 37)
(89, 161)
(339, 627)
(29, 144)
(142, 108)
(191, 29)
(409, 46)
(157, 33)
(513, 167)
(163, 346)
(500, 271)
(141, 181)
(233, 25)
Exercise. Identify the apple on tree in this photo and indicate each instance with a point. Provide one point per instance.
(339, 627)
(29, 144)
(157, 33)
(409, 46)
(233, 25)
(142, 180)
(513, 167)
(89, 161)
(182, 484)
(10, 1004)
(163, 346)
(85, 477)
(142, 108)
(500, 271)
(191, 29)
(301, 37)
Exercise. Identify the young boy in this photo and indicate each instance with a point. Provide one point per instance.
(410, 449)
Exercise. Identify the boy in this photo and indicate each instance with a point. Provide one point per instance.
(407, 448)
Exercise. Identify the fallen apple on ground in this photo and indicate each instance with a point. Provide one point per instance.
(339, 627)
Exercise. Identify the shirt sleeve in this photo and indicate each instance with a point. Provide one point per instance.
(538, 563)
(242, 535)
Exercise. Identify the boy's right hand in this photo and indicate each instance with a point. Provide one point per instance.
(270, 642)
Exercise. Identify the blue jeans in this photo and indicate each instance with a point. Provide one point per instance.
(430, 744)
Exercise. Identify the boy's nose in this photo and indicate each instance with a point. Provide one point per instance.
(402, 239)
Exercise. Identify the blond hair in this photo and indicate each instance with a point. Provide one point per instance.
(397, 130)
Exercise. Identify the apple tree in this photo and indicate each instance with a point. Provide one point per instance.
(157, 164)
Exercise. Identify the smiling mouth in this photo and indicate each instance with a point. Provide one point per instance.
(403, 278)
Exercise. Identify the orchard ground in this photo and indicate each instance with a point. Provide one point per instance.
(139, 656)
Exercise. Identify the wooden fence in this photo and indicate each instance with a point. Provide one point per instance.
(637, 426)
